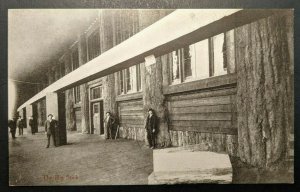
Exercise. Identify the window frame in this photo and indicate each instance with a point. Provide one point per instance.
(136, 85)
(91, 33)
(181, 62)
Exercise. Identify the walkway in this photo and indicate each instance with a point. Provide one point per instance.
(86, 160)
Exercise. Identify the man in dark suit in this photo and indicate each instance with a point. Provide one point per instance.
(12, 126)
(109, 121)
(151, 128)
(20, 125)
(50, 129)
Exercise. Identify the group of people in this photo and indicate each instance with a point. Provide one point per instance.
(110, 122)
(150, 126)
(19, 123)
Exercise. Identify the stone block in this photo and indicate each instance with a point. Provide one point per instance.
(189, 165)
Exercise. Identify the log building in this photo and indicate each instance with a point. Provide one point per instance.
(227, 85)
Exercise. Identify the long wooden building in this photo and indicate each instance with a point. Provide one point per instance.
(224, 81)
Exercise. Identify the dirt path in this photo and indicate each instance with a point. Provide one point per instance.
(86, 160)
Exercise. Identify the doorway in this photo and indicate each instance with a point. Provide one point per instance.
(24, 118)
(35, 117)
(97, 118)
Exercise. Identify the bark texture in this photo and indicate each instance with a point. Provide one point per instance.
(106, 42)
(153, 82)
(41, 112)
(264, 92)
(70, 111)
(82, 53)
(154, 98)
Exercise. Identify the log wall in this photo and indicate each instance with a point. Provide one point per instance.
(131, 120)
(207, 117)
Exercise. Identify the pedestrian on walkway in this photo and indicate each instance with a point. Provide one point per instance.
(50, 130)
(109, 123)
(12, 127)
(151, 128)
(20, 125)
(32, 125)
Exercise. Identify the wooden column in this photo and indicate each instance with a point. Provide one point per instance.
(153, 82)
(70, 112)
(41, 112)
(84, 90)
(108, 82)
(153, 98)
(264, 92)
(29, 113)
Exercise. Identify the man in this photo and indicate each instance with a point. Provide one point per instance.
(20, 125)
(49, 130)
(109, 121)
(12, 126)
(32, 125)
(151, 128)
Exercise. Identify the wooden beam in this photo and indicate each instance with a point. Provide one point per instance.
(182, 27)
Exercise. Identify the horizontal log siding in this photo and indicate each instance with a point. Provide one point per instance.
(131, 120)
(204, 119)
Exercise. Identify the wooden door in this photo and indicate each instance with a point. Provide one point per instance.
(96, 117)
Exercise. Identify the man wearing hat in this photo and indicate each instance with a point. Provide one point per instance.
(49, 130)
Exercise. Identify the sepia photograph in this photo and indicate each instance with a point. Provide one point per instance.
(150, 96)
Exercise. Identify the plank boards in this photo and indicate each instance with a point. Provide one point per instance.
(208, 112)
(131, 113)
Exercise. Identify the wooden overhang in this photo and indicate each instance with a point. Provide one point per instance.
(180, 28)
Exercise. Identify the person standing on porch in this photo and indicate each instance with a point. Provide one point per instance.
(12, 126)
(109, 122)
(20, 125)
(32, 125)
(50, 130)
(151, 128)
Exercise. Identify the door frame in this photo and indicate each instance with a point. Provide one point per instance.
(101, 113)
(91, 101)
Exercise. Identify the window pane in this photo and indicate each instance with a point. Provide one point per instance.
(121, 78)
(77, 94)
(128, 80)
(187, 62)
(200, 60)
(96, 92)
(218, 60)
(75, 59)
(175, 65)
(94, 45)
(138, 78)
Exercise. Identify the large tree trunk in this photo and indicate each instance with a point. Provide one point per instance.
(264, 92)
(70, 112)
(108, 82)
(153, 83)
(85, 121)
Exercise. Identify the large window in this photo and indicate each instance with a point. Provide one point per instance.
(130, 80)
(199, 61)
(93, 42)
(96, 92)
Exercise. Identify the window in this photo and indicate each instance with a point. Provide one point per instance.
(77, 94)
(199, 60)
(75, 59)
(219, 66)
(93, 45)
(130, 80)
(96, 92)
